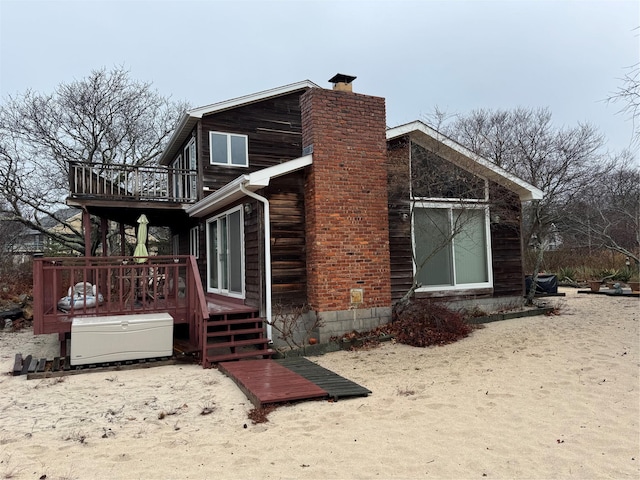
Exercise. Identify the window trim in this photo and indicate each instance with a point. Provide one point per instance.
(226, 291)
(194, 242)
(450, 206)
(229, 162)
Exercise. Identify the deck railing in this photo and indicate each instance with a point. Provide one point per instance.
(146, 183)
(63, 289)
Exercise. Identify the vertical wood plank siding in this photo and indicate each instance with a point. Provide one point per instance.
(274, 131)
(398, 155)
(507, 259)
(506, 243)
(253, 253)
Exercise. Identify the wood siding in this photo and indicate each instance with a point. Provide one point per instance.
(506, 242)
(288, 247)
(507, 261)
(398, 154)
(274, 131)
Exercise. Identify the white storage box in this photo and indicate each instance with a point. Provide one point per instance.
(117, 338)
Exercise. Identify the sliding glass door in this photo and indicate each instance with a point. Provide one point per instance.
(225, 259)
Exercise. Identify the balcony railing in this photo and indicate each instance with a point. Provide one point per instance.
(123, 182)
(63, 289)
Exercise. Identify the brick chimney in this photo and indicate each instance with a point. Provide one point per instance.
(346, 209)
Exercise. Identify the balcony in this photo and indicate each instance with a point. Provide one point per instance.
(116, 182)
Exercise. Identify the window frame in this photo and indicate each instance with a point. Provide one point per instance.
(450, 207)
(219, 290)
(229, 162)
(194, 242)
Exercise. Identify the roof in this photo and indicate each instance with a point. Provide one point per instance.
(233, 190)
(452, 151)
(190, 117)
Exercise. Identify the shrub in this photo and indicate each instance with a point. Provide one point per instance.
(424, 323)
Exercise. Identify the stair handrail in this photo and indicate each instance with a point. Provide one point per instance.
(197, 307)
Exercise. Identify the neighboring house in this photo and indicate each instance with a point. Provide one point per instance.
(300, 195)
(18, 241)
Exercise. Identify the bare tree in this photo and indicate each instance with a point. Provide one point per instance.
(106, 117)
(606, 213)
(560, 161)
(628, 94)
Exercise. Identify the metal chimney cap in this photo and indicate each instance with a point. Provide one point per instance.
(342, 78)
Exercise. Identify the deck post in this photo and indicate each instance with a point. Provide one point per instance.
(122, 240)
(86, 225)
(104, 226)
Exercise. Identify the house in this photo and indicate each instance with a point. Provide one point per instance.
(300, 196)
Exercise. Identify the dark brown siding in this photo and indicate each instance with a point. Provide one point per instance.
(274, 131)
(506, 243)
(398, 153)
(288, 257)
(507, 261)
(254, 253)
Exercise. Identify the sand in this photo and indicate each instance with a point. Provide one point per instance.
(537, 397)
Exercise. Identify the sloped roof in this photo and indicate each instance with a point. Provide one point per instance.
(191, 117)
(452, 151)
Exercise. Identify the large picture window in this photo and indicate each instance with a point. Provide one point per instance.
(228, 149)
(452, 247)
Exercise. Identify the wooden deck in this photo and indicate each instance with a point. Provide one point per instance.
(287, 380)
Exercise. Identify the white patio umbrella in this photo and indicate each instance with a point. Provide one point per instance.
(141, 252)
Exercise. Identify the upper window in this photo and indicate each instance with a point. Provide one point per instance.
(228, 149)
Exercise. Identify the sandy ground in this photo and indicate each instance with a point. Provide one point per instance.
(538, 397)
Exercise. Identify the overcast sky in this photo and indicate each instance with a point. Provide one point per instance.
(459, 55)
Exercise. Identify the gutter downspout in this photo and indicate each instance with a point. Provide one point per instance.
(267, 253)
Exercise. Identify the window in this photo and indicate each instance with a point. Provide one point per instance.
(185, 173)
(194, 242)
(177, 177)
(228, 149)
(452, 246)
(225, 259)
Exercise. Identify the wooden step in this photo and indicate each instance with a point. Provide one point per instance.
(238, 343)
(239, 355)
(229, 333)
(235, 321)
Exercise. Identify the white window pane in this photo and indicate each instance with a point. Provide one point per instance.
(238, 150)
(433, 253)
(470, 247)
(218, 148)
(212, 258)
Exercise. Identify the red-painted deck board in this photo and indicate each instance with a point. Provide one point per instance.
(266, 381)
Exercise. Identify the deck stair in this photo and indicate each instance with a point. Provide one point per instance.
(234, 333)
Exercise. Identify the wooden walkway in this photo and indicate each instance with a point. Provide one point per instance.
(287, 380)
(336, 386)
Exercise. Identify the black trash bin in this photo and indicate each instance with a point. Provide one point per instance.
(546, 284)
